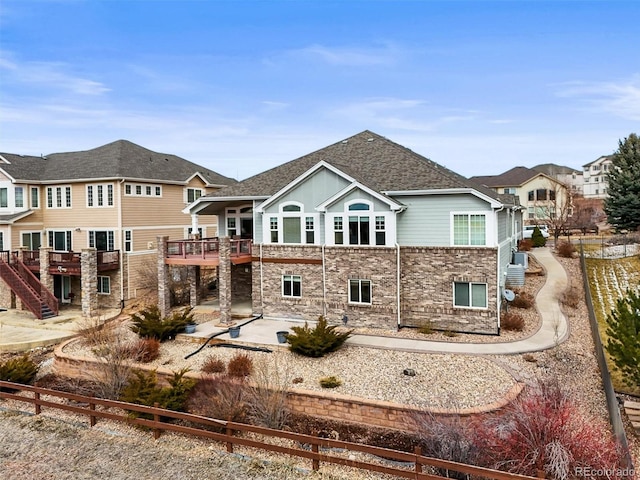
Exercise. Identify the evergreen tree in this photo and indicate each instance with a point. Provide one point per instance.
(623, 203)
(537, 238)
(624, 337)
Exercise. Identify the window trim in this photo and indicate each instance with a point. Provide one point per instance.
(361, 282)
(332, 219)
(100, 285)
(277, 220)
(59, 197)
(488, 228)
(35, 204)
(293, 279)
(470, 294)
(127, 243)
(195, 190)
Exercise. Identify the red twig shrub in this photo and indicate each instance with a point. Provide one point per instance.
(566, 249)
(213, 365)
(146, 350)
(241, 365)
(512, 321)
(525, 245)
(222, 397)
(543, 431)
(523, 300)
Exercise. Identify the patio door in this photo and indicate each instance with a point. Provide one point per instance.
(60, 240)
(62, 287)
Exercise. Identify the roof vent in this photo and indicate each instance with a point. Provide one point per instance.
(345, 141)
(370, 139)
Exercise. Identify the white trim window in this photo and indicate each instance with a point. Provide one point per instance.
(102, 240)
(138, 190)
(292, 286)
(60, 240)
(35, 197)
(469, 229)
(193, 194)
(291, 225)
(104, 285)
(360, 291)
(100, 195)
(128, 241)
(19, 197)
(470, 295)
(360, 224)
(59, 197)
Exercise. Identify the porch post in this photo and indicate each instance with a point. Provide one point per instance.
(164, 293)
(193, 273)
(46, 278)
(89, 281)
(224, 273)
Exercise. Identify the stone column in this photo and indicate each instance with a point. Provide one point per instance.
(164, 294)
(46, 279)
(89, 281)
(224, 283)
(193, 273)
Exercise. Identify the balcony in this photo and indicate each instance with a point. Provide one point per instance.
(69, 263)
(206, 252)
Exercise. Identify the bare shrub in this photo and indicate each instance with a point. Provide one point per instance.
(566, 249)
(267, 396)
(223, 397)
(448, 437)
(571, 297)
(241, 365)
(523, 300)
(512, 321)
(213, 364)
(525, 245)
(144, 350)
(94, 331)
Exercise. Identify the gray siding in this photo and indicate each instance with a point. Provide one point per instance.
(426, 221)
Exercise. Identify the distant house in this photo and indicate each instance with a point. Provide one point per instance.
(107, 204)
(568, 176)
(363, 231)
(595, 177)
(545, 199)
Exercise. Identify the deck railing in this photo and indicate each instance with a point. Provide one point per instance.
(107, 260)
(206, 248)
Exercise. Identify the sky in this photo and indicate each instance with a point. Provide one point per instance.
(242, 86)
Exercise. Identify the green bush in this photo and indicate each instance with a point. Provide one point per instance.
(19, 370)
(149, 324)
(143, 389)
(330, 382)
(537, 238)
(318, 341)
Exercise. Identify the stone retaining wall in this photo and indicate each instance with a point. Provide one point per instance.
(310, 402)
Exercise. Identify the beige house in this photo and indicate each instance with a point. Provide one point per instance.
(85, 223)
(545, 199)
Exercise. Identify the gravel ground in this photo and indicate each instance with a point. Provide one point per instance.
(53, 451)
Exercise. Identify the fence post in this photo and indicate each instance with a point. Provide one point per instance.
(156, 419)
(36, 396)
(92, 418)
(229, 432)
(316, 461)
(418, 452)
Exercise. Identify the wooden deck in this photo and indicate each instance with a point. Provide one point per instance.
(206, 252)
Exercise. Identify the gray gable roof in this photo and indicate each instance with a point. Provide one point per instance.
(511, 178)
(120, 159)
(371, 159)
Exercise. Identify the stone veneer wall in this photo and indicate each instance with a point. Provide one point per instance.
(427, 280)
(320, 404)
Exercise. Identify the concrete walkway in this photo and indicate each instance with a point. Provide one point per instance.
(20, 331)
(554, 328)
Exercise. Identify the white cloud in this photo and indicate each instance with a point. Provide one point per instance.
(50, 75)
(621, 98)
(385, 55)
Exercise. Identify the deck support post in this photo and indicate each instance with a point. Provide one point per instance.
(224, 286)
(164, 292)
(89, 269)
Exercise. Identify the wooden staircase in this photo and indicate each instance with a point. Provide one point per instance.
(34, 295)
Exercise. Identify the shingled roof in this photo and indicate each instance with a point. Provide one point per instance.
(120, 159)
(511, 178)
(371, 159)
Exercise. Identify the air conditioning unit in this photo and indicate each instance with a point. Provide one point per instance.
(515, 276)
(521, 258)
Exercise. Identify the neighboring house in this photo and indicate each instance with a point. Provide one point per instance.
(545, 199)
(363, 231)
(595, 177)
(109, 205)
(568, 176)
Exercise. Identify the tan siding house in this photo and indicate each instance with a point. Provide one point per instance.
(109, 205)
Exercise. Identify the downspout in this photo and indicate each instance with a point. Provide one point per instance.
(324, 284)
(121, 234)
(498, 276)
(398, 285)
(261, 283)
